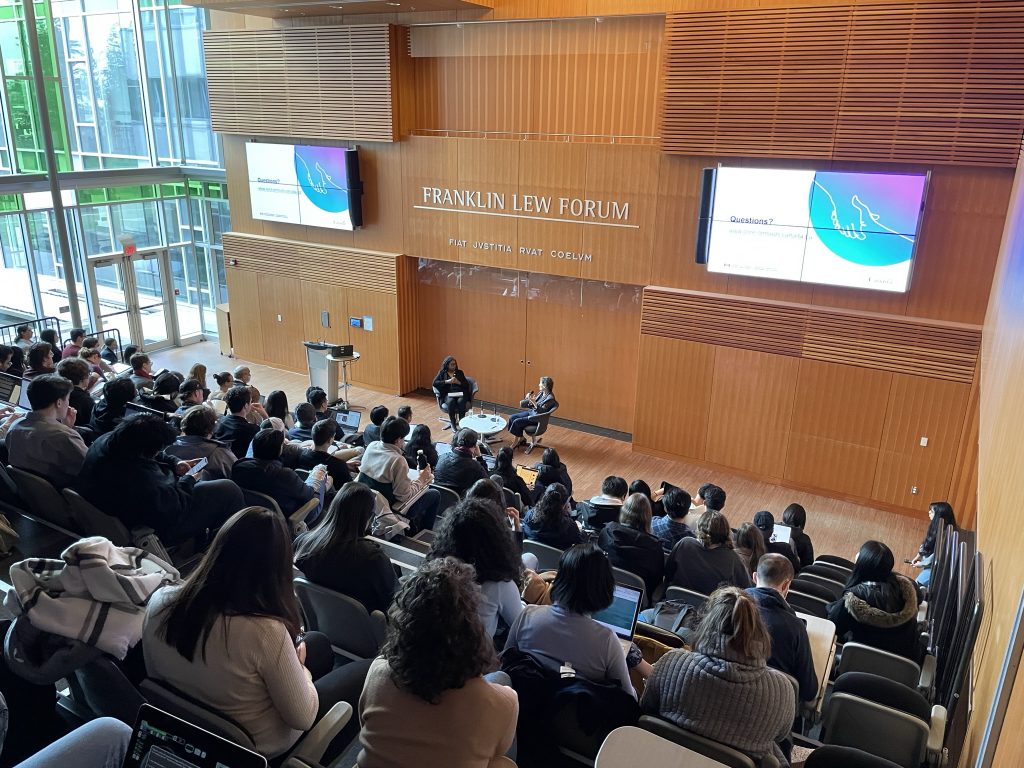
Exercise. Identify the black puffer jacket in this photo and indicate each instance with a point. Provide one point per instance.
(880, 614)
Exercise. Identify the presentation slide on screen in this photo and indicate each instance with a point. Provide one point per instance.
(849, 229)
(299, 184)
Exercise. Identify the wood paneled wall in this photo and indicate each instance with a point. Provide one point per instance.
(311, 82)
(906, 82)
(279, 288)
(1001, 487)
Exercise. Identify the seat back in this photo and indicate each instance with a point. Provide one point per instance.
(851, 721)
(833, 572)
(107, 692)
(387, 490)
(833, 756)
(631, 579)
(167, 698)
(834, 589)
(43, 500)
(512, 499)
(449, 498)
(257, 499)
(858, 657)
(721, 753)
(91, 521)
(696, 599)
(808, 604)
(840, 562)
(8, 488)
(351, 629)
(547, 557)
(806, 586)
(623, 745)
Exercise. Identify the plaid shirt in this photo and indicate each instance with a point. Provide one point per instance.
(668, 531)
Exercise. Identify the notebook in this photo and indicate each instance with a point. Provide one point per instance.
(782, 533)
(162, 740)
(528, 474)
(620, 616)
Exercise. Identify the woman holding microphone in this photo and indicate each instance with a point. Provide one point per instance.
(542, 403)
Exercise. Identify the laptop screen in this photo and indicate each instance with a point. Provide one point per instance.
(782, 533)
(528, 474)
(161, 740)
(10, 387)
(348, 420)
(620, 616)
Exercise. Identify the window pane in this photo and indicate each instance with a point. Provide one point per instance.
(116, 81)
(16, 296)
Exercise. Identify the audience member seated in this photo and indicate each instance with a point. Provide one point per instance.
(420, 440)
(142, 371)
(305, 418)
(939, 513)
(6, 353)
(16, 367)
(224, 383)
(878, 607)
(276, 407)
(564, 633)
(49, 335)
(198, 372)
(550, 469)
(323, 439)
(340, 555)
(630, 545)
(40, 360)
(109, 352)
(227, 638)
(97, 367)
(190, 393)
(707, 561)
(426, 703)
(242, 377)
(670, 528)
(234, 427)
(606, 507)
(722, 689)
(765, 523)
(504, 465)
(109, 411)
(291, 452)
(749, 546)
(24, 337)
(127, 352)
(195, 442)
(384, 465)
(372, 431)
(791, 650)
(549, 522)
(470, 532)
(641, 487)
(74, 346)
(128, 475)
(45, 441)
(76, 370)
(462, 465)
(318, 399)
(265, 473)
(162, 396)
(795, 516)
(405, 412)
(709, 496)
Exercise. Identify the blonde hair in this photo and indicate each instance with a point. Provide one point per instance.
(198, 372)
(636, 513)
(732, 621)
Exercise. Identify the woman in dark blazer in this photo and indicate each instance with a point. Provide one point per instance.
(450, 379)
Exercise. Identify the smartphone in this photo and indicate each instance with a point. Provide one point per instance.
(198, 467)
(300, 639)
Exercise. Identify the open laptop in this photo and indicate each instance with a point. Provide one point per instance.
(161, 740)
(347, 420)
(14, 392)
(620, 617)
(782, 533)
(528, 474)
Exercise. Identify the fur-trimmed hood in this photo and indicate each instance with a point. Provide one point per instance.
(884, 605)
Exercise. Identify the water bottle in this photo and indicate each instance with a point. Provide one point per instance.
(421, 460)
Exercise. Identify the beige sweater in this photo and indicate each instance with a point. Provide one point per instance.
(470, 727)
(251, 674)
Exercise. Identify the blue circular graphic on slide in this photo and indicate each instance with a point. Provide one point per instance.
(866, 218)
(321, 175)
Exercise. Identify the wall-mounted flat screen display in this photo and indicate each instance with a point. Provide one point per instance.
(857, 230)
(314, 186)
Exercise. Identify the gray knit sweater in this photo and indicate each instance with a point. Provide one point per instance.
(719, 695)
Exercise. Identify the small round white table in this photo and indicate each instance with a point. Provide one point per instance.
(487, 424)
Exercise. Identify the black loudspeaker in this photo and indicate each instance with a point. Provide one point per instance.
(707, 204)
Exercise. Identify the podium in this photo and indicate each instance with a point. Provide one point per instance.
(324, 371)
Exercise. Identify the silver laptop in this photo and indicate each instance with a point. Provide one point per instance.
(347, 420)
(162, 740)
(14, 392)
(620, 617)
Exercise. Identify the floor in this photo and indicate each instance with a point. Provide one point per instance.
(836, 527)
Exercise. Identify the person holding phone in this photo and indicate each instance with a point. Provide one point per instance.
(453, 390)
(536, 405)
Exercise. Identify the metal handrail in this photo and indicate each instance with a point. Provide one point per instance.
(9, 333)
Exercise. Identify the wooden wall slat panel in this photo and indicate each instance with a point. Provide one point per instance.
(311, 82)
(938, 83)
(881, 342)
(246, 327)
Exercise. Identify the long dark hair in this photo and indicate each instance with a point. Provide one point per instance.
(942, 513)
(471, 532)
(435, 639)
(247, 571)
(547, 513)
(504, 462)
(347, 519)
(443, 373)
(874, 563)
(420, 437)
(277, 404)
